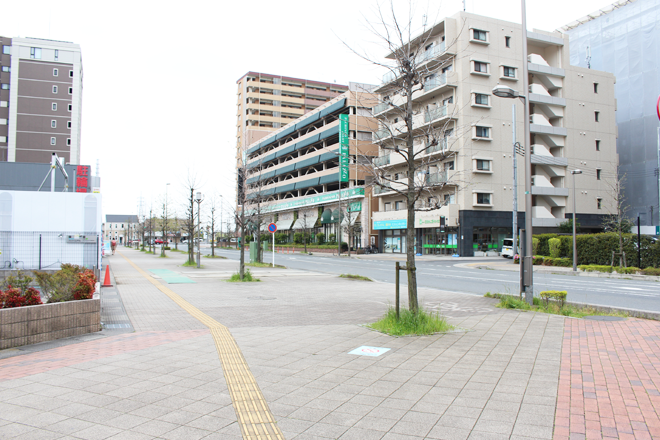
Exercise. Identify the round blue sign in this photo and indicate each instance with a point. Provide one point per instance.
(272, 228)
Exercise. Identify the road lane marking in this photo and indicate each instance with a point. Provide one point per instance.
(252, 411)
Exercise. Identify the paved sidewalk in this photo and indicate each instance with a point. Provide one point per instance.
(505, 375)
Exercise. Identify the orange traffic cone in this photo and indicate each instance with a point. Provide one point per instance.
(106, 282)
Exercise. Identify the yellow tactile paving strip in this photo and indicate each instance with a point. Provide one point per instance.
(254, 416)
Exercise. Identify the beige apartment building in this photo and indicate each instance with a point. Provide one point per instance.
(572, 127)
(292, 176)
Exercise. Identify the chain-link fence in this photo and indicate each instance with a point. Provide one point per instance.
(48, 250)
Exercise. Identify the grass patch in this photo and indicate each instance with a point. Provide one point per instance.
(163, 256)
(247, 277)
(553, 307)
(255, 264)
(423, 323)
(214, 256)
(148, 252)
(178, 250)
(351, 276)
(190, 263)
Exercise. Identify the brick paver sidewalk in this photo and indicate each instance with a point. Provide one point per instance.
(610, 380)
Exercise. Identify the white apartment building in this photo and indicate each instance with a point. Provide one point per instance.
(572, 127)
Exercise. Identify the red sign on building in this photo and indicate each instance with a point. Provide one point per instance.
(82, 178)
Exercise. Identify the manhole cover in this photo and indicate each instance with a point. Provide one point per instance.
(262, 298)
(605, 318)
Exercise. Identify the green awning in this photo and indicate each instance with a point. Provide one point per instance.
(326, 217)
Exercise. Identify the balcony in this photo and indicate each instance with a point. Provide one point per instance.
(431, 54)
(434, 114)
(380, 108)
(388, 77)
(438, 178)
(382, 161)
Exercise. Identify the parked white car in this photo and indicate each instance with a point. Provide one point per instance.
(507, 248)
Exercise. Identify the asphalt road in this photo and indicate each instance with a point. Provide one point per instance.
(444, 274)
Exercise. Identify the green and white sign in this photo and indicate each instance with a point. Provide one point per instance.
(346, 194)
(343, 148)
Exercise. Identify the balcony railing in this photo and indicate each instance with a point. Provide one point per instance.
(431, 53)
(382, 134)
(381, 108)
(437, 178)
(435, 82)
(434, 114)
(440, 146)
(389, 77)
(382, 161)
(381, 189)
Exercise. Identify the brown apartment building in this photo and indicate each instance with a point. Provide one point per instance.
(266, 103)
(40, 100)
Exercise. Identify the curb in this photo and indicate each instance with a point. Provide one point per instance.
(632, 312)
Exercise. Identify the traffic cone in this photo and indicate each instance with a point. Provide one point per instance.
(106, 282)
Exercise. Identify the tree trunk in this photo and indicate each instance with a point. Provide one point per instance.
(241, 269)
(410, 226)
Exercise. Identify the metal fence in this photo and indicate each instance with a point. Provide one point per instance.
(48, 250)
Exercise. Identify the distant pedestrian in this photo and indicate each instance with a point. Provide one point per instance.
(113, 246)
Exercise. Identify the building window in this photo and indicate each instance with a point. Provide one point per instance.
(508, 72)
(3, 121)
(5, 87)
(56, 72)
(599, 203)
(70, 73)
(70, 107)
(598, 174)
(597, 145)
(53, 141)
(6, 69)
(483, 165)
(507, 41)
(57, 54)
(35, 53)
(388, 206)
(480, 99)
(70, 90)
(3, 138)
(482, 132)
(54, 89)
(596, 116)
(479, 35)
(53, 124)
(449, 166)
(480, 67)
(68, 141)
(54, 106)
(398, 206)
(483, 198)
(595, 87)
(68, 124)
(4, 103)
(6, 50)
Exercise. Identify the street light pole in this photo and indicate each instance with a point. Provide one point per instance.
(574, 172)
(198, 199)
(529, 284)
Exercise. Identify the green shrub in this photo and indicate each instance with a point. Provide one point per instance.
(298, 238)
(281, 238)
(537, 260)
(595, 268)
(332, 238)
(59, 286)
(654, 271)
(548, 261)
(557, 295)
(511, 302)
(247, 277)
(421, 323)
(320, 238)
(562, 262)
(627, 270)
(535, 246)
(554, 245)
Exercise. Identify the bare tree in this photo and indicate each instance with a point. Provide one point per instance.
(306, 224)
(617, 207)
(189, 223)
(150, 226)
(164, 225)
(213, 220)
(414, 140)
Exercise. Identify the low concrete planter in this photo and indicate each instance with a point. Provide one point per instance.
(47, 322)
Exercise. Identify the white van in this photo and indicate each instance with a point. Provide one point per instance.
(507, 248)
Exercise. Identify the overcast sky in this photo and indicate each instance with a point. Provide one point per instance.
(159, 98)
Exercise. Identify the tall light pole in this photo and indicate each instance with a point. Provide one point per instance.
(198, 199)
(527, 268)
(221, 217)
(162, 246)
(574, 172)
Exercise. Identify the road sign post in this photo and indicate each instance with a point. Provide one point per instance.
(272, 228)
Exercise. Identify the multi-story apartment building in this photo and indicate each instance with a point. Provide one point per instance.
(40, 100)
(572, 126)
(265, 103)
(293, 174)
(623, 39)
(121, 228)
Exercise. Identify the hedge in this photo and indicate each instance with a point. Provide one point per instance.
(597, 248)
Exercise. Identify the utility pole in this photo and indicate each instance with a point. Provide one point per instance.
(515, 182)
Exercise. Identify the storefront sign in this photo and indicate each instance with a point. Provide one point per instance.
(441, 246)
(82, 178)
(390, 224)
(315, 200)
(355, 206)
(343, 148)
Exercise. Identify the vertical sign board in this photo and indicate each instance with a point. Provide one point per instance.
(83, 178)
(343, 148)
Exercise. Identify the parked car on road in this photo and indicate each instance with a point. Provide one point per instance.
(507, 248)
(159, 241)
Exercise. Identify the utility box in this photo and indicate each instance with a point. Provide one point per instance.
(264, 246)
(253, 252)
